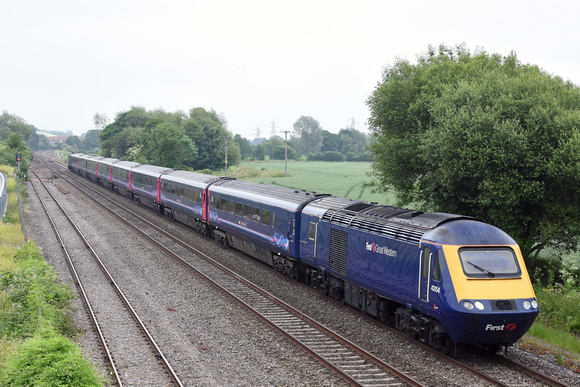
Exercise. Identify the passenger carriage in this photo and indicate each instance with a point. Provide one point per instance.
(145, 185)
(105, 172)
(183, 196)
(121, 177)
(259, 219)
(92, 167)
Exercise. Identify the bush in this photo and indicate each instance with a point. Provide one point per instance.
(548, 271)
(326, 156)
(48, 359)
(559, 308)
(32, 296)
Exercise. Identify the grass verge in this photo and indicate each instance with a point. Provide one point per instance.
(35, 325)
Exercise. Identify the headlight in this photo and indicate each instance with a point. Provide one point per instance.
(479, 305)
(467, 305)
(527, 304)
(534, 304)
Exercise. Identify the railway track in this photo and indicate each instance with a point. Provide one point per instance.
(354, 364)
(150, 367)
(294, 326)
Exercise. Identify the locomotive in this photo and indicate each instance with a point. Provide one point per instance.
(442, 278)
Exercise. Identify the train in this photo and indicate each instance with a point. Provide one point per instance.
(443, 279)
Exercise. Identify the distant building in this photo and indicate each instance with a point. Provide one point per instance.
(56, 139)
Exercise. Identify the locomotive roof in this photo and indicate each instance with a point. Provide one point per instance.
(270, 194)
(397, 223)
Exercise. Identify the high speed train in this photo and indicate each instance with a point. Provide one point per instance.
(441, 278)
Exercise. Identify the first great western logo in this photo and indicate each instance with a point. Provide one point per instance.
(375, 248)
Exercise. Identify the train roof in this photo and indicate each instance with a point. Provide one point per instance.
(127, 165)
(108, 161)
(269, 194)
(188, 177)
(151, 170)
(397, 223)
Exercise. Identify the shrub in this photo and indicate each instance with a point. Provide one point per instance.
(31, 288)
(48, 359)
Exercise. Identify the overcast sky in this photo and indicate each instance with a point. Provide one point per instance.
(254, 61)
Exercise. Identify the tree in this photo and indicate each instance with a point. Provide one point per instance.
(279, 153)
(245, 146)
(136, 117)
(259, 152)
(74, 142)
(91, 140)
(15, 144)
(166, 144)
(9, 123)
(308, 135)
(206, 131)
(100, 121)
(482, 135)
(330, 142)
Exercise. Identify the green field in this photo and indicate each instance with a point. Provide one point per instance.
(345, 179)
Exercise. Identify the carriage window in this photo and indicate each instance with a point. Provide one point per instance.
(231, 205)
(266, 217)
(273, 217)
(239, 210)
(216, 202)
(425, 267)
(256, 214)
(224, 204)
(312, 231)
(196, 196)
(438, 266)
(247, 211)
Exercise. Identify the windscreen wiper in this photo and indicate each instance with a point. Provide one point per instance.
(482, 269)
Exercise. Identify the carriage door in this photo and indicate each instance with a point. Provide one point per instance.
(308, 239)
(204, 205)
(425, 272)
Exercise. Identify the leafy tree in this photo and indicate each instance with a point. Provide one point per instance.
(136, 117)
(38, 141)
(279, 153)
(9, 123)
(74, 142)
(259, 152)
(166, 144)
(352, 140)
(208, 134)
(245, 146)
(15, 144)
(308, 135)
(330, 142)
(91, 140)
(482, 135)
(100, 121)
(126, 139)
(271, 145)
